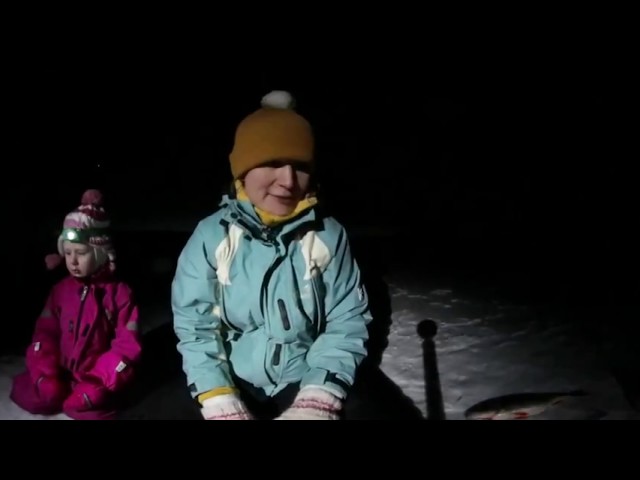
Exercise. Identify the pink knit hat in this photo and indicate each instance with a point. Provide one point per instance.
(88, 224)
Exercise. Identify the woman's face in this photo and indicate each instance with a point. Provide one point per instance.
(277, 187)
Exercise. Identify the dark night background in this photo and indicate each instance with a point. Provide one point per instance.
(502, 172)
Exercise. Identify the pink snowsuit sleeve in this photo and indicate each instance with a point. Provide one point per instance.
(115, 368)
(43, 354)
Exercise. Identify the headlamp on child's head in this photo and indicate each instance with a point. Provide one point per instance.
(77, 235)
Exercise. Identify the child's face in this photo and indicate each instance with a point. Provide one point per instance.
(79, 258)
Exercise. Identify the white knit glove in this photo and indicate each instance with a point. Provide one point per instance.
(313, 403)
(225, 407)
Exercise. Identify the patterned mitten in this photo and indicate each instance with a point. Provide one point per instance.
(227, 406)
(313, 403)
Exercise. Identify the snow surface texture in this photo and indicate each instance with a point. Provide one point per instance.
(488, 349)
(484, 349)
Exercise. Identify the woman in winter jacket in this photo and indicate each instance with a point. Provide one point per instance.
(85, 344)
(268, 302)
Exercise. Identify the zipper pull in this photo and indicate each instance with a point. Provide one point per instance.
(85, 290)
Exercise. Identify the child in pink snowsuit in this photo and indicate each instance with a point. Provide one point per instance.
(85, 345)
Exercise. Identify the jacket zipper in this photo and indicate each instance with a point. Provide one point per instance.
(319, 297)
(76, 362)
(223, 312)
(275, 359)
(265, 281)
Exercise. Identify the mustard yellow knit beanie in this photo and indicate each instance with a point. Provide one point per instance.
(273, 132)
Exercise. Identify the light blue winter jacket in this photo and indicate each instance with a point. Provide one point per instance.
(277, 305)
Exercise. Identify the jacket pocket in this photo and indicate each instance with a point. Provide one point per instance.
(246, 352)
(284, 316)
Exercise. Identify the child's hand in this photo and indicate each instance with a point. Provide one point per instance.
(86, 396)
(51, 390)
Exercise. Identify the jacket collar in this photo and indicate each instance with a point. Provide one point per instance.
(99, 278)
(242, 213)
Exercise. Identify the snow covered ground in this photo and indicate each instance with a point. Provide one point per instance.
(484, 348)
(489, 348)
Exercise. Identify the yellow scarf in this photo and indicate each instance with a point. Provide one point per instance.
(270, 219)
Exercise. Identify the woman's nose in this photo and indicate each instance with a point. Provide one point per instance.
(286, 176)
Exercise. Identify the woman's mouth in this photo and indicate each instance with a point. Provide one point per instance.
(287, 199)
